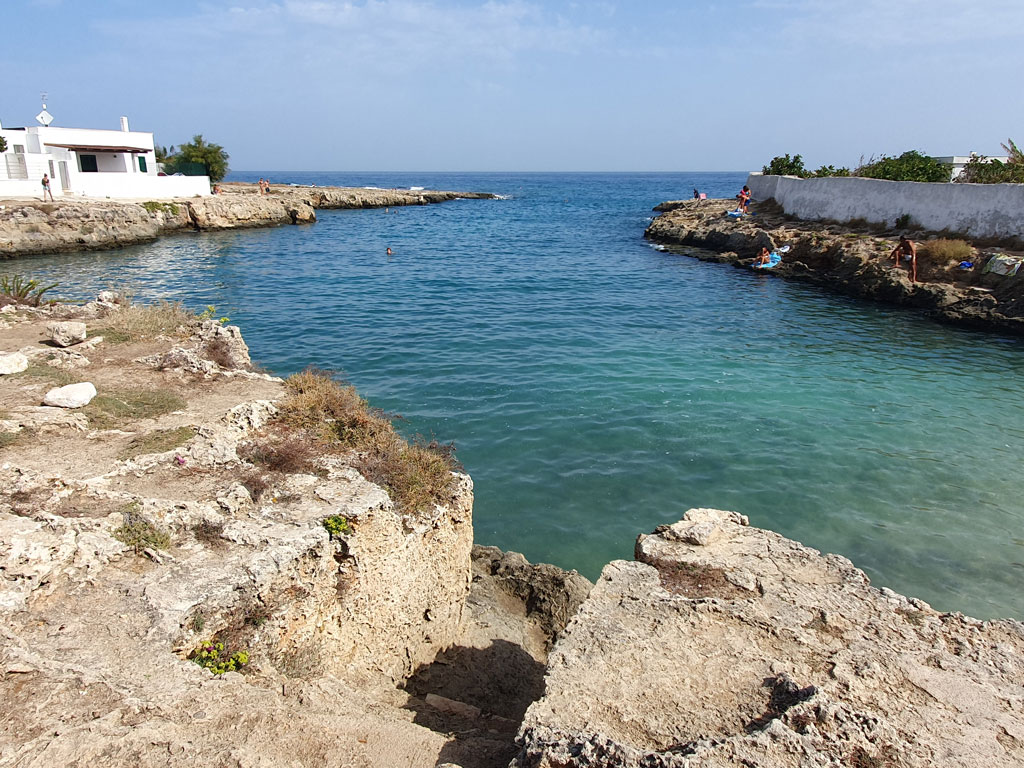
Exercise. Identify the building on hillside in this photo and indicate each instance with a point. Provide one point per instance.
(87, 162)
(957, 162)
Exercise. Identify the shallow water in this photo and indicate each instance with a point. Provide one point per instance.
(597, 387)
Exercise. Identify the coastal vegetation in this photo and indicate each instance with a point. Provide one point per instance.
(912, 166)
(139, 533)
(329, 417)
(15, 289)
(197, 152)
(984, 170)
(136, 322)
(3, 144)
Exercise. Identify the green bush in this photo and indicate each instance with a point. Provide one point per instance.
(139, 533)
(785, 165)
(981, 170)
(337, 525)
(910, 166)
(212, 656)
(830, 170)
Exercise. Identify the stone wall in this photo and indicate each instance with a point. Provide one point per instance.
(976, 210)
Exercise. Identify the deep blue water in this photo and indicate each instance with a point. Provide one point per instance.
(597, 387)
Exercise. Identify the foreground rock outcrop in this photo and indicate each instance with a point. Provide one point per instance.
(136, 533)
(726, 645)
(844, 259)
(71, 225)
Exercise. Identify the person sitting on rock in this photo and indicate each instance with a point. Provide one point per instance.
(906, 250)
(763, 258)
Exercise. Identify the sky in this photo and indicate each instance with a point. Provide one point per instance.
(515, 85)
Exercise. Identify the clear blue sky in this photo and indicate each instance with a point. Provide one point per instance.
(510, 85)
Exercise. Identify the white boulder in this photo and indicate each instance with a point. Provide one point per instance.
(15, 362)
(71, 396)
(66, 333)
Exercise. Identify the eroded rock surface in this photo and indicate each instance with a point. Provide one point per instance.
(726, 645)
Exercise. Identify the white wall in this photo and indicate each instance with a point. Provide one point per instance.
(138, 186)
(978, 210)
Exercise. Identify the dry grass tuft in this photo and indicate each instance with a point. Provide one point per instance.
(416, 476)
(158, 441)
(944, 250)
(137, 322)
(113, 409)
(289, 452)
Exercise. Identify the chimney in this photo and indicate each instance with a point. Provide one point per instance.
(124, 124)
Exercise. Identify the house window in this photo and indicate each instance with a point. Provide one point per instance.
(19, 149)
(87, 163)
(52, 174)
(142, 164)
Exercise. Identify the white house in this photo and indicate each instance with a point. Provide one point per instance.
(88, 162)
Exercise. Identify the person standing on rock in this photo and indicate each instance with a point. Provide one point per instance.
(906, 249)
(46, 188)
(744, 198)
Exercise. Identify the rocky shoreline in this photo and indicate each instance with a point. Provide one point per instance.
(846, 259)
(377, 634)
(31, 228)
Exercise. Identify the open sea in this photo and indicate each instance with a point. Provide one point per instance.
(596, 387)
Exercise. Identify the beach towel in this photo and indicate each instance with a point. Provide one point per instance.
(1001, 264)
(773, 260)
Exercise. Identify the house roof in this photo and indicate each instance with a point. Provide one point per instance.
(89, 148)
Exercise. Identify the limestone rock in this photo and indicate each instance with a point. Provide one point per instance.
(224, 345)
(66, 333)
(727, 645)
(71, 396)
(15, 362)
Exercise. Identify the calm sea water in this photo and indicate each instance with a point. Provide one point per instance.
(597, 387)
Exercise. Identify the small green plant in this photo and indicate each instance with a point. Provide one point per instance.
(212, 656)
(830, 170)
(15, 289)
(3, 144)
(139, 533)
(153, 206)
(210, 313)
(337, 526)
(903, 221)
(198, 622)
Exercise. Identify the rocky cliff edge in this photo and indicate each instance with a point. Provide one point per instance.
(726, 645)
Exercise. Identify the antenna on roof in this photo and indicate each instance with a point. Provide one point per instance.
(44, 118)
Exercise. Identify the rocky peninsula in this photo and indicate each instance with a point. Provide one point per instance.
(851, 259)
(184, 582)
(31, 227)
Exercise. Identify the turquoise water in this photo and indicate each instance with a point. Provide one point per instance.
(597, 387)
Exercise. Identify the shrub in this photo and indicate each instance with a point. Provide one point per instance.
(139, 533)
(289, 452)
(213, 656)
(910, 166)
(943, 250)
(15, 289)
(255, 483)
(981, 170)
(209, 533)
(830, 170)
(336, 526)
(785, 165)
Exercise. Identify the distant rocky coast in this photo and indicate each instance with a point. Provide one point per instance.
(848, 259)
(30, 227)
